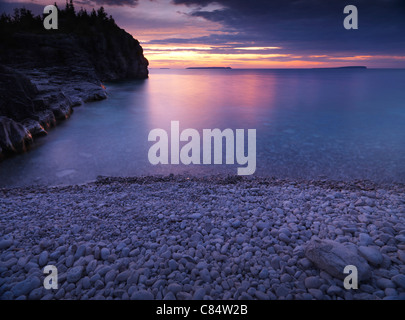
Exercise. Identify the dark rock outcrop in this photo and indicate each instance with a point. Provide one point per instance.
(16, 94)
(13, 136)
(45, 74)
(108, 56)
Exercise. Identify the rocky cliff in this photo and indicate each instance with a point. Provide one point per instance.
(44, 74)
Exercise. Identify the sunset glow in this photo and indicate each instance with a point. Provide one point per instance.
(181, 34)
(182, 57)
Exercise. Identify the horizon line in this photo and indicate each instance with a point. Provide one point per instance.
(312, 68)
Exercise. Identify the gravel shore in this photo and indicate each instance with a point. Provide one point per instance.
(200, 238)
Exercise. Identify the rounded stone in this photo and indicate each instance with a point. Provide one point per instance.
(169, 296)
(282, 291)
(312, 282)
(199, 294)
(36, 294)
(104, 253)
(69, 261)
(174, 287)
(142, 295)
(316, 293)
(123, 276)
(371, 254)
(43, 258)
(173, 265)
(384, 283)
(86, 284)
(334, 291)
(399, 280)
(81, 250)
(264, 273)
(26, 286)
(110, 276)
(183, 296)
(4, 244)
(74, 274)
(261, 295)
(285, 278)
(365, 239)
(205, 275)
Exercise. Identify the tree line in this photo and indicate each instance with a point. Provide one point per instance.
(69, 21)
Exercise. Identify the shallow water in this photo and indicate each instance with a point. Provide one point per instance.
(339, 124)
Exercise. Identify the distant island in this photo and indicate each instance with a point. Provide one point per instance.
(209, 68)
(348, 67)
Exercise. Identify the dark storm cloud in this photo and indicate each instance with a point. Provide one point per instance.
(8, 7)
(308, 25)
(37, 7)
(130, 3)
(97, 3)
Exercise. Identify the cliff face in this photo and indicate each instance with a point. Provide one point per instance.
(110, 56)
(43, 75)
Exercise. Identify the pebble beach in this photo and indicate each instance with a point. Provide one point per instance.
(214, 238)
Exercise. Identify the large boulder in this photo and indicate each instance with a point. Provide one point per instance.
(332, 257)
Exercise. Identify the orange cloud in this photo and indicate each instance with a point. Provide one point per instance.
(369, 57)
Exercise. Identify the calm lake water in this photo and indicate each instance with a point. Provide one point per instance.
(339, 124)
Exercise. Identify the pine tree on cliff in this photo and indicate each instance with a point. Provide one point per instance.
(101, 14)
(79, 23)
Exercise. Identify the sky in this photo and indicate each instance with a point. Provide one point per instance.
(255, 33)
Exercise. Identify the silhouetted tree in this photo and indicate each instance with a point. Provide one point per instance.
(101, 14)
(80, 23)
